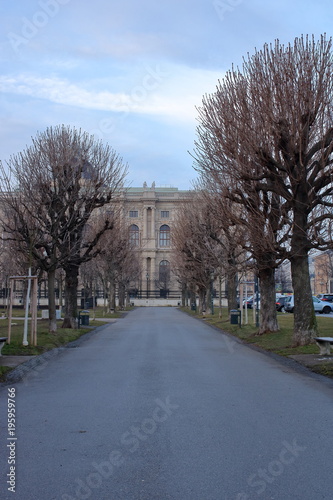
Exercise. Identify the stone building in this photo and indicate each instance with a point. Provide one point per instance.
(149, 213)
(322, 276)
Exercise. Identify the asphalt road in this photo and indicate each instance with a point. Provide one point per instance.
(160, 406)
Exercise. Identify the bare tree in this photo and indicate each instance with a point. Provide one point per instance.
(54, 189)
(283, 277)
(128, 274)
(190, 259)
(251, 222)
(118, 263)
(198, 249)
(220, 226)
(32, 245)
(14, 261)
(270, 126)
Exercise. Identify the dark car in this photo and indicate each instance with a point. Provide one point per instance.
(280, 304)
(328, 297)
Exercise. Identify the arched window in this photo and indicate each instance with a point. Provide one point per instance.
(164, 236)
(164, 278)
(164, 271)
(134, 235)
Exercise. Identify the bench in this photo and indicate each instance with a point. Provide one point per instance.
(2, 343)
(324, 344)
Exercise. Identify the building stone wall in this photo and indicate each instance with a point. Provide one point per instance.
(153, 210)
(322, 281)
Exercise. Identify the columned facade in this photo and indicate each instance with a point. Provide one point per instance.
(152, 211)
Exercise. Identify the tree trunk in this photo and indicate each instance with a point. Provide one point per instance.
(105, 292)
(94, 301)
(305, 322)
(231, 285)
(52, 299)
(60, 294)
(121, 296)
(209, 300)
(202, 300)
(268, 316)
(193, 298)
(71, 285)
(184, 294)
(112, 295)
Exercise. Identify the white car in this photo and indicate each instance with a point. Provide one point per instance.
(320, 306)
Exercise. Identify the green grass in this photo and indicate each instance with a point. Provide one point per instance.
(3, 371)
(325, 369)
(45, 340)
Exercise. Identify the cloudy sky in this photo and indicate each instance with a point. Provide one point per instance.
(132, 72)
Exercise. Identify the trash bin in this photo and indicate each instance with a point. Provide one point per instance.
(235, 315)
(193, 306)
(84, 318)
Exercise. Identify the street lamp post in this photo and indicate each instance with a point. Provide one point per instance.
(256, 290)
(147, 276)
(212, 291)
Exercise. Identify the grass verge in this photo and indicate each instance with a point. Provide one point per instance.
(45, 340)
(3, 371)
(325, 369)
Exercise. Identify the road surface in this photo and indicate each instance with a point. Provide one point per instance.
(160, 406)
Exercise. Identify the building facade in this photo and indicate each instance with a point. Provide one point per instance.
(149, 214)
(322, 276)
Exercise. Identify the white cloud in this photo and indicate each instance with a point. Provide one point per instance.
(60, 91)
(170, 94)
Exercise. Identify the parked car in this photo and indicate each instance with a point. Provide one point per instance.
(328, 297)
(319, 305)
(280, 301)
(322, 306)
(249, 302)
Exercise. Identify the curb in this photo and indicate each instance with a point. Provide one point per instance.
(20, 371)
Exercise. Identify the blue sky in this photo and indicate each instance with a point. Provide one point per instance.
(132, 72)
